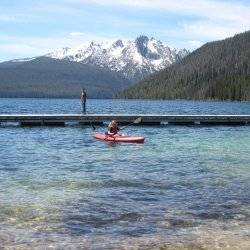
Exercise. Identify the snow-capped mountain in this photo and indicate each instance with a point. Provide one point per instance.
(134, 59)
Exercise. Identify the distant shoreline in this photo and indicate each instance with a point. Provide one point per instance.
(132, 99)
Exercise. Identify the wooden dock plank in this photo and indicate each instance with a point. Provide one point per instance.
(147, 119)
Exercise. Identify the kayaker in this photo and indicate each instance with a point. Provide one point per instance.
(113, 128)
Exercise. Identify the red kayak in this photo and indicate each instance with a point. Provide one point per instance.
(120, 138)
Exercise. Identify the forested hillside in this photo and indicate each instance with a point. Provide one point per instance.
(47, 77)
(218, 70)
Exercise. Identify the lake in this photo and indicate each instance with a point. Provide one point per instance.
(185, 187)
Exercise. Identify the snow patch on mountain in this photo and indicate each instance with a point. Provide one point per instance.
(23, 59)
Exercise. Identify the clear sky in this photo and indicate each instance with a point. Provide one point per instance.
(33, 27)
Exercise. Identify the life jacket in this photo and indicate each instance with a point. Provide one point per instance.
(113, 130)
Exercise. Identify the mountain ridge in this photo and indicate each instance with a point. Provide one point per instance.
(103, 69)
(135, 59)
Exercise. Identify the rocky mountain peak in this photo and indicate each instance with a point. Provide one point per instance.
(118, 43)
(134, 59)
(142, 45)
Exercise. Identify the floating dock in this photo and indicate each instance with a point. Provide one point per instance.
(100, 119)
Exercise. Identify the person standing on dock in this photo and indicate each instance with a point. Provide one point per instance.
(83, 100)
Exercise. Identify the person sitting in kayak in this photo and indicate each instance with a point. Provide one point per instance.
(113, 128)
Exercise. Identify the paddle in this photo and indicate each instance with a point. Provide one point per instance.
(136, 121)
(93, 127)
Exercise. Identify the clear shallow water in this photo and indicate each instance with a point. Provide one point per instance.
(187, 186)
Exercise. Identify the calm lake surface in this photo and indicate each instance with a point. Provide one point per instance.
(185, 187)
